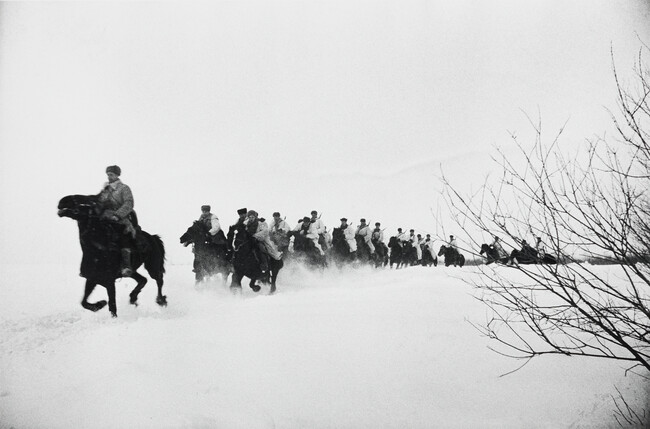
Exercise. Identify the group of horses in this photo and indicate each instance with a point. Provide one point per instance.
(526, 256)
(101, 256)
(235, 254)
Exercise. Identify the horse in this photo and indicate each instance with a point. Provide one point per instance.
(245, 262)
(429, 257)
(340, 250)
(409, 254)
(210, 254)
(364, 255)
(492, 255)
(396, 252)
(452, 256)
(381, 253)
(305, 251)
(100, 263)
(530, 256)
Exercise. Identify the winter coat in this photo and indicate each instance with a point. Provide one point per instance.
(348, 233)
(261, 234)
(364, 232)
(212, 222)
(319, 226)
(309, 231)
(377, 235)
(281, 227)
(453, 244)
(117, 199)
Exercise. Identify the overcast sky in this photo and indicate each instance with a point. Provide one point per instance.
(345, 107)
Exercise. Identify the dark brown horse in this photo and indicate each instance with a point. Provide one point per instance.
(452, 256)
(100, 263)
(492, 255)
(210, 253)
(246, 262)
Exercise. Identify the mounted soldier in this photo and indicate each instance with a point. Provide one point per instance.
(320, 229)
(117, 200)
(501, 254)
(349, 233)
(401, 237)
(308, 230)
(211, 221)
(364, 235)
(279, 232)
(420, 247)
(377, 234)
(259, 230)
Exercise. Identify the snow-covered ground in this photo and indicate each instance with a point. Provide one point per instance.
(357, 349)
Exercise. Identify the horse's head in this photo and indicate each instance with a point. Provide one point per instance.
(78, 206)
(195, 233)
(241, 237)
(443, 248)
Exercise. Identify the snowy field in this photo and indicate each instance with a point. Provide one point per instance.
(359, 349)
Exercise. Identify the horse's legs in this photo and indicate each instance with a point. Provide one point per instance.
(255, 287)
(95, 306)
(235, 283)
(141, 281)
(274, 277)
(112, 305)
(161, 299)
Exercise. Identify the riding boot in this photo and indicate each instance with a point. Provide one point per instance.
(125, 266)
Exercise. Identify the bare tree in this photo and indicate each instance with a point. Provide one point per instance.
(592, 206)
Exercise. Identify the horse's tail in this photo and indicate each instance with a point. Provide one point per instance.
(155, 263)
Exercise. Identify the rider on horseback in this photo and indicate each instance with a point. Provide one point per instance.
(260, 231)
(363, 232)
(310, 231)
(320, 229)
(279, 232)
(211, 221)
(377, 234)
(427, 246)
(348, 233)
(415, 242)
(401, 237)
(420, 248)
(501, 253)
(117, 201)
(454, 247)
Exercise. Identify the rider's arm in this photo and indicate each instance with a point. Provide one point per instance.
(127, 207)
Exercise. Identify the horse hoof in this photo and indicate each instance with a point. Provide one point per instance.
(162, 301)
(113, 314)
(94, 307)
(256, 288)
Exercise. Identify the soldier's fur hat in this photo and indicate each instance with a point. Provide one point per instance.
(114, 169)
